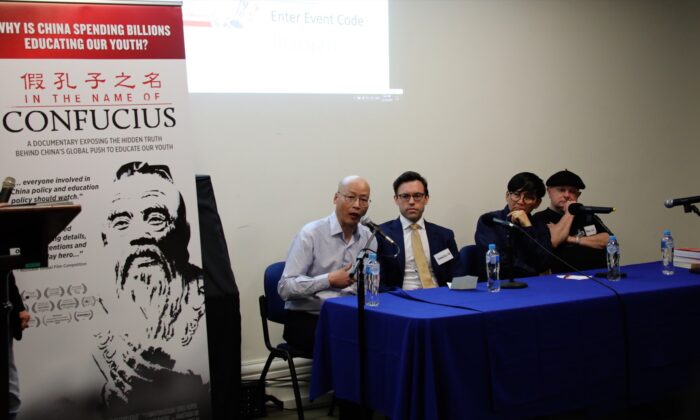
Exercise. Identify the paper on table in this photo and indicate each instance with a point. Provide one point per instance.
(572, 277)
(463, 283)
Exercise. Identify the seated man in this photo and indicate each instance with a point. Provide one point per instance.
(579, 240)
(520, 257)
(319, 261)
(427, 252)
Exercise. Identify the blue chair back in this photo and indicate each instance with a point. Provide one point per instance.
(468, 265)
(275, 304)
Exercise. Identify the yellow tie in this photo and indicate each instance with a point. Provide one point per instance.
(419, 256)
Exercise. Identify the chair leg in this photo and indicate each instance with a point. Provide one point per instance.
(263, 374)
(262, 384)
(295, 385)
(331, 410)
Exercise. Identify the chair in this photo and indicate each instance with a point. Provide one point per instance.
(272, 309)
(468, 265)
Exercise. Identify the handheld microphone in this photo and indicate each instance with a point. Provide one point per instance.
(7, 186)
(376, 229)
(673, 202)
(578, 208)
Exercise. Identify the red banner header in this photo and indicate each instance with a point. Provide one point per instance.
(95, 31)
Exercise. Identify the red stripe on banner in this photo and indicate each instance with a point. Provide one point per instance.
(95, 31)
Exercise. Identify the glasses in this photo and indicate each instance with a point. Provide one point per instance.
(517, 195)
(417, 197)
(364, 201)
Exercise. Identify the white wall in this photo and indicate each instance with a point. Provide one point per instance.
(608, 89)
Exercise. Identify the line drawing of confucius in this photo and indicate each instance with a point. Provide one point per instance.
(158, 303)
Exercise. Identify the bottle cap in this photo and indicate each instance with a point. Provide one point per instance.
(613, 238)
(372, 256)
(667, 232)
(492, 247)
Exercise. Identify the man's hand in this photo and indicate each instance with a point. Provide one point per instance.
(341, 279)
(24, 319)
(520, 217)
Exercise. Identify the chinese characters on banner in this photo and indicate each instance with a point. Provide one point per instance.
(94, 111)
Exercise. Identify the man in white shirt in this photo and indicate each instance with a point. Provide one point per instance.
(319, 261)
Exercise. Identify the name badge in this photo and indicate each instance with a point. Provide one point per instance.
(443, 256)
(590, 230)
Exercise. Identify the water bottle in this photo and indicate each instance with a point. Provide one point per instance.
(667, 253)
(371, 280)
(613, 249)
(493, 266)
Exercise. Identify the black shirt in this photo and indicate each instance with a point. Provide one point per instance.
(581, 257)
(520, 257)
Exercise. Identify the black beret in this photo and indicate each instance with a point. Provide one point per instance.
(565, 178)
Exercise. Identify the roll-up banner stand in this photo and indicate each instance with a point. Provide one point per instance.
(95, 112)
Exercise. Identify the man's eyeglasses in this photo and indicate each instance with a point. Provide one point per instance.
(526, 197)
(417, 197)
(351, 198)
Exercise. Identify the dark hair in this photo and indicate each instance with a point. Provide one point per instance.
(527, 182)
(410, 176)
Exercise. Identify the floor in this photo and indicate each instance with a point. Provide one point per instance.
(675, 408)
(311, 414)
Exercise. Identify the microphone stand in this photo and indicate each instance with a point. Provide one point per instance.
(361, 335)
(691, 207)
(512, 283)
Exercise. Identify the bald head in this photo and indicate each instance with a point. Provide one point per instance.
(352, 179)
(351, 201)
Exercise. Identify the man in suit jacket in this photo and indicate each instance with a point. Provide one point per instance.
(412, 234)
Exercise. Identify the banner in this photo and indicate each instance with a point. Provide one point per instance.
(94, 111)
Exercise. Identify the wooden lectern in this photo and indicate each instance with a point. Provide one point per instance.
(25, 234)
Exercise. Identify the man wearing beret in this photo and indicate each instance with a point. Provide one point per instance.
(579, 240)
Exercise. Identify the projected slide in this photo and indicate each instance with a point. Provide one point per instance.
(287, 46)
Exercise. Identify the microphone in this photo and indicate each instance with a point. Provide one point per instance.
(673, 202)
(578, 208)
(493, 221)
(376, 229)
(7, 186)
(502, 222)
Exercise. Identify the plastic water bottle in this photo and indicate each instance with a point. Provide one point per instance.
(613, 249)
(493, 266)
(371, 280)
(667, 253)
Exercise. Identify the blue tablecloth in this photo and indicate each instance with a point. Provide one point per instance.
(662, 316)
(557, 345)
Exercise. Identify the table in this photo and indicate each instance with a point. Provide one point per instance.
(558, 345)
(662, 316)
